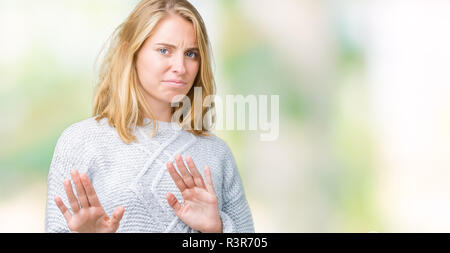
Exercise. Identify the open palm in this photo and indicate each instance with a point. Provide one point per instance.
(88, 214)
(200, 210)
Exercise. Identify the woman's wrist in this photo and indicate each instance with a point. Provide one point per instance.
(216, 228)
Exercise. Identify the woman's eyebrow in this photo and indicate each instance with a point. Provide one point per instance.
(173, 46)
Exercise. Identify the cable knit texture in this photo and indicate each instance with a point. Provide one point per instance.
(135, 175)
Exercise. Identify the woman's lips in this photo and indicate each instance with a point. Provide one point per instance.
(174, 83)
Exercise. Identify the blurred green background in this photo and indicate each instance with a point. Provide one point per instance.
(364, 141)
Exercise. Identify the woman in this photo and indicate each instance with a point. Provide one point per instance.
(121, 160)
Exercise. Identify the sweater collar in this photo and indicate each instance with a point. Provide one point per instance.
(163, 125)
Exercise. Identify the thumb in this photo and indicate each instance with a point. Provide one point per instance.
(117, 215)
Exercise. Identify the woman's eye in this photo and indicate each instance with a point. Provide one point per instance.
(191, 54)
(163, 51)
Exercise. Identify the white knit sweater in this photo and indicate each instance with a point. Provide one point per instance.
(135, 175)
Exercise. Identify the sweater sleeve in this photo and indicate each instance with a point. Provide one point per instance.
(70, 153)
(236, 215)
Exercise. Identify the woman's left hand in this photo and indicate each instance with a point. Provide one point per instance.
(200, 210)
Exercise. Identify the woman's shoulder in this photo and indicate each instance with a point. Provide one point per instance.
(215, 144)
(83, 131)
(77, 146)
(86, 127)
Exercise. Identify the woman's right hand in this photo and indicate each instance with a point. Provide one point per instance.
(88, 214)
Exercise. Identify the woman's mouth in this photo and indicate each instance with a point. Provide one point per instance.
(174, 83)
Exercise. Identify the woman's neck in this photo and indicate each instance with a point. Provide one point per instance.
(161, 111)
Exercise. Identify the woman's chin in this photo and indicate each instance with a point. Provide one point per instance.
(175, 97)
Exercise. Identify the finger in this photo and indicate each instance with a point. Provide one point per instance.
(73, 201)
(90, 192)
(173, 202)
(117, 215)
(176, 178)
(209, 183)
(187, 177)
(63, 209)
(198, 179)
(80, 189)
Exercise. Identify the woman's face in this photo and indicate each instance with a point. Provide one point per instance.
(168, 61)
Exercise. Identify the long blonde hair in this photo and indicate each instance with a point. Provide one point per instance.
(119, 95)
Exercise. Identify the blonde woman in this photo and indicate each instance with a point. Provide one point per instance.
(132, 167)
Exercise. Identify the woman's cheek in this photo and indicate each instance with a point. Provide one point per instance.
(193, 71)
(160, 66)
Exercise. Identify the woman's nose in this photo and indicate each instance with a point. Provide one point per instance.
(178, 64)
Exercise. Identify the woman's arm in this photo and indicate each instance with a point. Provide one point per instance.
(236, 215)
(65, 211)
(69, 153)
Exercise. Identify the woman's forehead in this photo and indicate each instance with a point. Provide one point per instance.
(175, 30)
